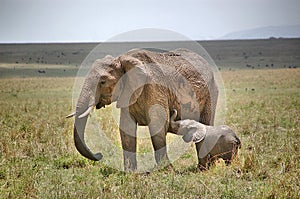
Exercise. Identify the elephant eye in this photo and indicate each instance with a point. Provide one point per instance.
(102, 82)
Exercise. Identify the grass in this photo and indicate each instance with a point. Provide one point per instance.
(36, 70)
(38, 158)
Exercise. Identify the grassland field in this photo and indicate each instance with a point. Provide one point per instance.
(38, 158)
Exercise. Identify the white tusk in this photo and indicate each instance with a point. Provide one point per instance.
(86, 113)
(71, 115)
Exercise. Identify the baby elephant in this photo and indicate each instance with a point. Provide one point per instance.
(212, 142)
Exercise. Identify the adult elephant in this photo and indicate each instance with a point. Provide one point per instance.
(147, 86)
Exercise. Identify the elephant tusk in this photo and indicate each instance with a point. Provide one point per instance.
(71, 115)
(86, 113)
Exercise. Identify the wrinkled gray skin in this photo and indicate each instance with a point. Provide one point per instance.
(147, 86)
(212, 142)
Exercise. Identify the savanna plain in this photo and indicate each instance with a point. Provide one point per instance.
(38, 158)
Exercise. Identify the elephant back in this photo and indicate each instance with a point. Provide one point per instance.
(197, 63)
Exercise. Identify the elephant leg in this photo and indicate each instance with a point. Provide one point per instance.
(128, 129)
(205, 118)
(204, 163)
(203, 159)
(160, 149)
(158, 128)
(129, 151)
(206, 114)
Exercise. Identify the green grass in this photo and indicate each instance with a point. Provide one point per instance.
(38, 158)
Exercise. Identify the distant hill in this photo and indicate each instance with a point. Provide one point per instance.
(266, 32)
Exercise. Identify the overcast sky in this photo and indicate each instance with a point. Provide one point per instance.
(99, 20)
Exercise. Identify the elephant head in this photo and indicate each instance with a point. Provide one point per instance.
(110, 79)
(190, 130)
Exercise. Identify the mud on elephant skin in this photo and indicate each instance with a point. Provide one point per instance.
(146, 86)
(212, 142)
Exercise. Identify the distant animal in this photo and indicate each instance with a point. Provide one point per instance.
(146, 85)
(41, 71)
(212, 142)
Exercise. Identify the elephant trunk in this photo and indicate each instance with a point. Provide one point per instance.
(86, 102)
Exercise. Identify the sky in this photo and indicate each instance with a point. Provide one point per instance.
(99, 20)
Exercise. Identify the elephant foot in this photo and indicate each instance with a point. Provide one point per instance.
(201, 167)
(130, 164)
(163, 162)
(169, 167)
(165, 167)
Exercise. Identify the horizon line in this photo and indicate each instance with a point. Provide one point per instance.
(141, 41)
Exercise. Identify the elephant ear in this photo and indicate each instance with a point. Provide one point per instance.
(132, 82)
(194, 134)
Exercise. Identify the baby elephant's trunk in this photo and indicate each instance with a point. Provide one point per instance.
(174, 125)
(174, 115)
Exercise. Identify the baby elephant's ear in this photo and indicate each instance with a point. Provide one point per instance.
(196, 135)
(199, 135)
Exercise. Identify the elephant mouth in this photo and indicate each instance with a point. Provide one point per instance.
(100, 105)
(104, 100)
